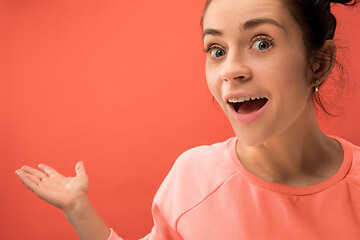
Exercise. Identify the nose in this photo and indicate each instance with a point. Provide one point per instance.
(235, 68)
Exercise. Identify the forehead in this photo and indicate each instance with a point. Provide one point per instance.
(221, 13)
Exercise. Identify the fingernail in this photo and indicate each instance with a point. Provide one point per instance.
(78, 165)
(17, 171)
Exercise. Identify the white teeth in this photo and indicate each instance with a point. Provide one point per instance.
(243, 99)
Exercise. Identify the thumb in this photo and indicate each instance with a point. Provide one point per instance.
(80, 168)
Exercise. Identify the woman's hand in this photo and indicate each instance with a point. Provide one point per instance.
(70, 195)
(54, 188)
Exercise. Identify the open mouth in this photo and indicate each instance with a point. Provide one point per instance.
(249, 106)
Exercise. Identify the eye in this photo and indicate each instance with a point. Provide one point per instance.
(215, 51)
(263, 43)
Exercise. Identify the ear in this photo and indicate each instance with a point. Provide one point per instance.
(323, 62)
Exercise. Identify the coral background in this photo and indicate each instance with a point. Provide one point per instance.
(121, 86)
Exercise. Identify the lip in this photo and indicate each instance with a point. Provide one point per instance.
(250, 117)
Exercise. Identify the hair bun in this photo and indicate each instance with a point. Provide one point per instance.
(346, 2)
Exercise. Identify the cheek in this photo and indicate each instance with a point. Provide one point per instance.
(286, 70)
(292, 87)
(213, 82)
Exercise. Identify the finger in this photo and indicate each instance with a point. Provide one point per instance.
(80, 168)
(34, 172)
(35, 179)
(26, 180)
(48, 170)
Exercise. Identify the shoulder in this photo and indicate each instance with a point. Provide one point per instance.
(196, 174)
(351, 161)
(354, 153)
(351, 150)
(202, 164)
(204, 156)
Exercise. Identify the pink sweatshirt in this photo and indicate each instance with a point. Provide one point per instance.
(209, 195)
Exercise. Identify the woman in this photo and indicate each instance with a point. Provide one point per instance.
(281, 177)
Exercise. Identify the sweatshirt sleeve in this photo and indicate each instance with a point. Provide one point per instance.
(113, 235)
(162, 230)
(164, 219)
(170, 202)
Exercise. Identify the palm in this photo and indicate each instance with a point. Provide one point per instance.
(61, 191)
(53, 187)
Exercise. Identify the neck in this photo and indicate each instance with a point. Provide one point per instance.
(300, 156)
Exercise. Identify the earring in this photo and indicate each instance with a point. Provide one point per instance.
(317, 82)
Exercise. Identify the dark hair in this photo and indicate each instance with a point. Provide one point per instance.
(317, 23)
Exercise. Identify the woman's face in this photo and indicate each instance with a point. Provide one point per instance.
(256, 50)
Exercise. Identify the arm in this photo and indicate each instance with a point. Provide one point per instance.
(86, 222)
(70, 195)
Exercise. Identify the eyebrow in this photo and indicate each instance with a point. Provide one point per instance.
(250, 24)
